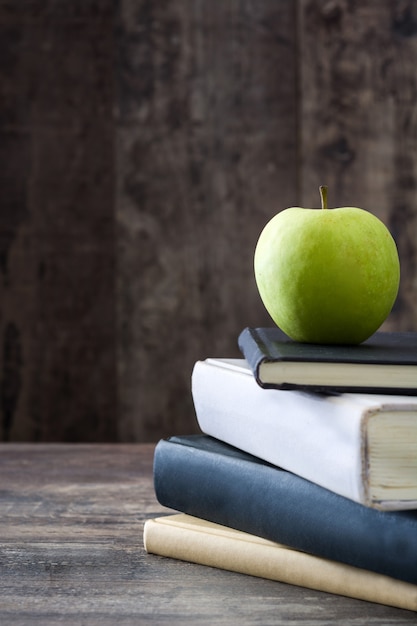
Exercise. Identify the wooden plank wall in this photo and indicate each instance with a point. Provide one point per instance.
(143, 146)
(57, 224)
(359, 119)
(207, 150)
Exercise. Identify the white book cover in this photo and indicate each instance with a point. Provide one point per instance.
(361, 446)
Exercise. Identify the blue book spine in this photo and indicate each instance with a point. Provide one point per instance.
(209, 479)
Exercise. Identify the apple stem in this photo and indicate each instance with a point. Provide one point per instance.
(323, 195)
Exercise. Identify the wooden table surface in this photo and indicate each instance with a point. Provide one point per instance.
(71, 552)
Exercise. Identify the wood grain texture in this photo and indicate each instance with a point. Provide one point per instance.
(57, 262)
(358, 91)
(206, 155)
(71, 552)
(143, 146)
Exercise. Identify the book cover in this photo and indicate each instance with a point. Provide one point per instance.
(211, 480)
(181, 536)
(361, 446)
(385, 363)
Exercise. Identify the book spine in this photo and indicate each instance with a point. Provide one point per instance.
(279, 506)
(258, 346)
(240, 553)
(317, 437)
(249, 345)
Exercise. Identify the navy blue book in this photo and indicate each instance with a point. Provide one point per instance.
(211, 480)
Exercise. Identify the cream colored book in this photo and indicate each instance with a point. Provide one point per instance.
(188, 538)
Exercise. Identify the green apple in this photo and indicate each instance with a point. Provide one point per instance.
(327, 276)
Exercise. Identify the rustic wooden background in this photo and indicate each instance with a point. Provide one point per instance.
(143, 146)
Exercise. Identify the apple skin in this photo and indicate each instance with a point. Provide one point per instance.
(327, 276)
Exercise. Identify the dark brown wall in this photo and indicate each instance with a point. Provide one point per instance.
(206, 136)
(143, 146)
(359, 119)
(57, 222)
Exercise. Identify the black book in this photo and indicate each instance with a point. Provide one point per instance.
(211, 480)
(385, 363)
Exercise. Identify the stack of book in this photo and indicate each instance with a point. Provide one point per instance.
(305, 470)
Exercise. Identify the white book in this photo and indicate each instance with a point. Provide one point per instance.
(361, 446)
